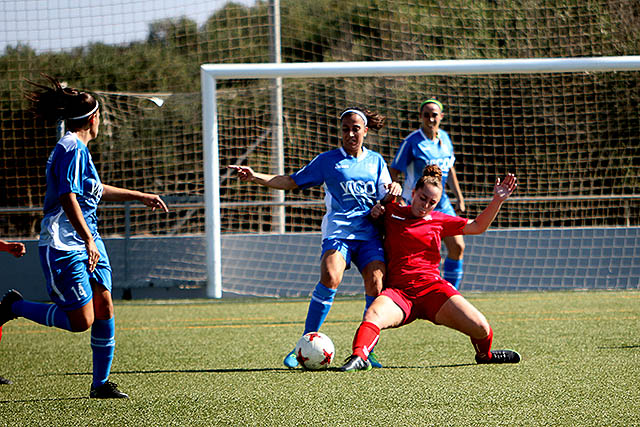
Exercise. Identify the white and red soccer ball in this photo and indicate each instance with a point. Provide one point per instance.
(315, 351)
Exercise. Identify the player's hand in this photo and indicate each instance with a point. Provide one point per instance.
(93, 254)
(377, 211)
(245, 173)
(502, 190)
(16, 249)
(153, 201)
(395, 189)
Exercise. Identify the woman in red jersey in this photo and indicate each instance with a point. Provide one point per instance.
(414, 288)
(16, 249)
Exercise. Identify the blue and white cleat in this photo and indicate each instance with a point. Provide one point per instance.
(290, 360)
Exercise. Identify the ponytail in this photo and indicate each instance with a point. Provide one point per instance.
(58, 102)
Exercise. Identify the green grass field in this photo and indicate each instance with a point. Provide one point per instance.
(219, 363)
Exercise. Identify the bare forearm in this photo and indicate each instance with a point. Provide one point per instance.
(116, 194)
(279, 182)
(485, 219)
(454, 184)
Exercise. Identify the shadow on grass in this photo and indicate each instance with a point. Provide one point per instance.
(241, 370)
(182, 371)
(39, 400)
(619, 347)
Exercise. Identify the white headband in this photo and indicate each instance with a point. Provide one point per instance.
(358, 112)
(84, 116)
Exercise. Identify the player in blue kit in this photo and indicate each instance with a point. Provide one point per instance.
(354, 178)
(73, 257)
(430, 145)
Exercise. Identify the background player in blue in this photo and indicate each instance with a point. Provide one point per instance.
(353, 178)
(430, 145)
(73, 257)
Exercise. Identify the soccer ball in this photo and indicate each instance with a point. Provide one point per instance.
(315, 351)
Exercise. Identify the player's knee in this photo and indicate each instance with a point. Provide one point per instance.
(373, 287)
(80, 324)
(372, 315)
(331, 281)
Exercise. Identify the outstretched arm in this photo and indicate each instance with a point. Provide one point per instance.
(16, 249)
(115, 194)
(501, 192)
(279, 182)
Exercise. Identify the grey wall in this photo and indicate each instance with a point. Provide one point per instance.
(288, 265)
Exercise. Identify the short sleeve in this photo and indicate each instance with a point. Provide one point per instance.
(403, 157)
(68, 167)
(453, 225)
(384, 178)
(311, 175)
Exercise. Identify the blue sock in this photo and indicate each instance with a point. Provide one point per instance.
(368, 300)
(44, 314)
(453, 272)
(103, 345)
(319, 306)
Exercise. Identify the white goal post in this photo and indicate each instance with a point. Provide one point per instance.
(210, 73)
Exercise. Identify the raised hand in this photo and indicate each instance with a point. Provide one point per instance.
(502, 190)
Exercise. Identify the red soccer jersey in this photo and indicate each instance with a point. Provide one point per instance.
(412, 245)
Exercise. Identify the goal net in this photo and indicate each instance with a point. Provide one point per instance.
(570, 137)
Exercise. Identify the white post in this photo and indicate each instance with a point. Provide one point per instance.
(211, 186)
(277, 111)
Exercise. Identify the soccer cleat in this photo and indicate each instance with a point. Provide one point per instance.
(500, 356)
(355, 363)
(290, 360)
(107, 390)
(374, 360)
(3, 380)
(9, 298)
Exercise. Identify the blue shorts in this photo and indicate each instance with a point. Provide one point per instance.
(445, 206)
(362, 252)
(68, 277)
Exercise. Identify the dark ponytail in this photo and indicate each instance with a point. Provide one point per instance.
(57, 102)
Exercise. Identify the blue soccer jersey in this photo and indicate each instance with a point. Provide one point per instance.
(69, 170)
(418, 151)
(352, 186)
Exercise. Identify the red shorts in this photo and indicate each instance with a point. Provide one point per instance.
(423, 304)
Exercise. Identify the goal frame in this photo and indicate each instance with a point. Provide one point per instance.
(210, 73)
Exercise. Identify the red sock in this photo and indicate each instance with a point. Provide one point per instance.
(366, 338)
(483, 346)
